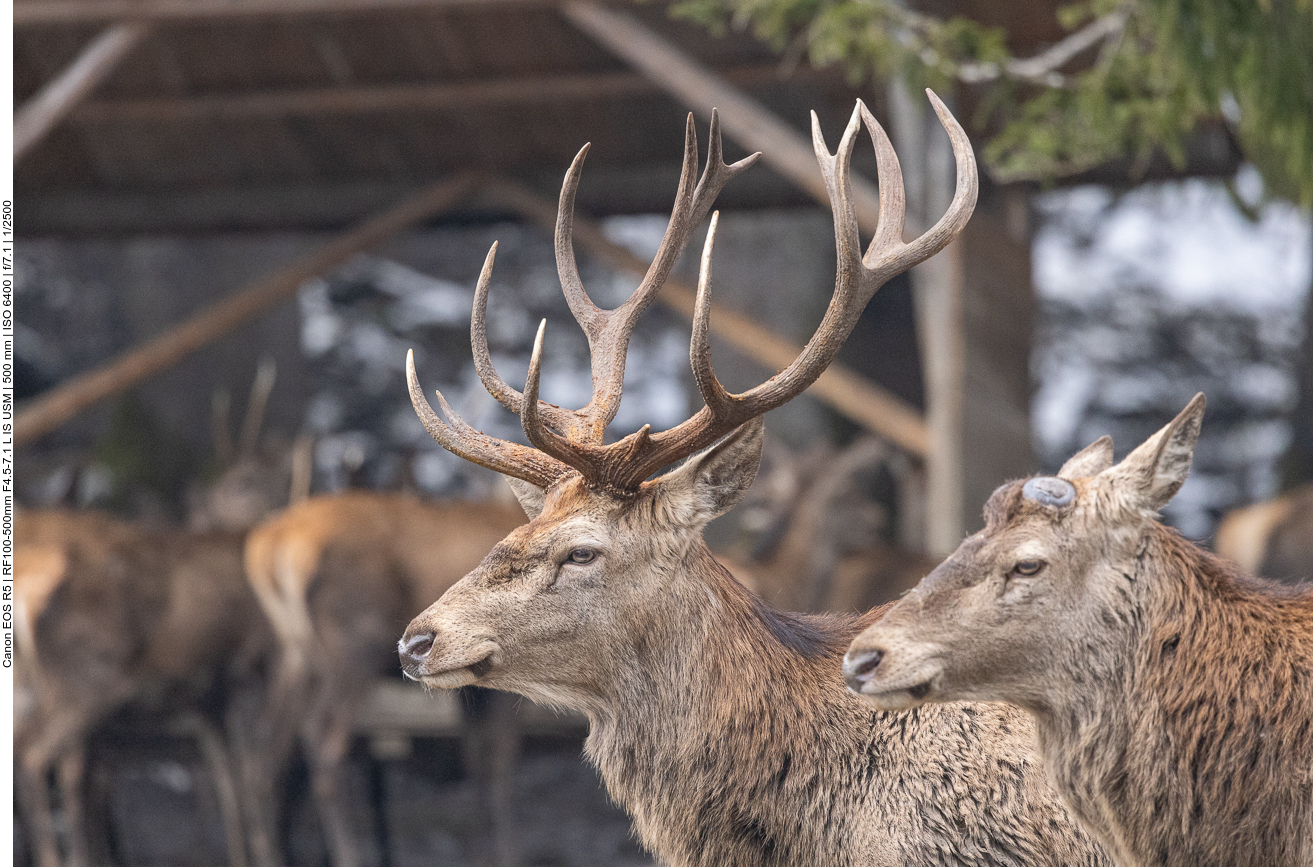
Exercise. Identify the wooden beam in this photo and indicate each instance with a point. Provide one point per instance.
(52, 103)
(414, 97)
(866, 403)
(49, 411)
(46, 12)
(97, 212)
(745, 120)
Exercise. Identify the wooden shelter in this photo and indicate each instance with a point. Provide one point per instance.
(167, 116)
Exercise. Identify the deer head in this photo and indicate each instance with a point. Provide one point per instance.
(612, 558)
(1057, 562)
(255, 479)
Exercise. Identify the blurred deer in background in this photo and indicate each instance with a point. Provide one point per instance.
(1173, 693)
(722, 725)
(338, 578)
(256, 478)
(817, 536)
(1272, 539)
(112, 615)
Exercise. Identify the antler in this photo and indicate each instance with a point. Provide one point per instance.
(459, 438)
(566, 439)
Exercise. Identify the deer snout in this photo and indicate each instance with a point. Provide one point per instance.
(444, 656)
(891, 669)
(413, 650)
(859, 666)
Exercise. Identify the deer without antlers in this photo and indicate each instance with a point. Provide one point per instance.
(337, 576)
(112, 615)
(722, 725)
(1173, 694)
(817, 545)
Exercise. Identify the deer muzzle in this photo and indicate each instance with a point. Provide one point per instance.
(889, 671)
(443, 664)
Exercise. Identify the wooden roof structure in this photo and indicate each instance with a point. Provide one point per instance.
(215, 114)
(313, 114)
(269, 114)
(143, 116)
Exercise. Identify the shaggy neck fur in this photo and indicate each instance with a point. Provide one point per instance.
(731, 740)
(1173, 736)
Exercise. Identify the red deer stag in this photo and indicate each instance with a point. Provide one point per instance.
(338, 577)
(1173, 693)
(722, 725)
(112, 614)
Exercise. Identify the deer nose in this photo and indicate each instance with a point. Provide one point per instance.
(859, 667)
(414, 648)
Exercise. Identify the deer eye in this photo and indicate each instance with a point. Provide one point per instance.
(583, 555)
(1028, 567)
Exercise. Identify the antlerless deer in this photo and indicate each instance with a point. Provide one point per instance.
(114, 614)
(1173, 693)
(722, 725)
(336, 576)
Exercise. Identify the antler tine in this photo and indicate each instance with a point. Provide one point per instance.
(564, 449)
(950, 225)
(835, 172)
(266, 373)
(717, 174)
(893, 199)
(589, 316)
(505, 395)
(718, 399)
(460, 439)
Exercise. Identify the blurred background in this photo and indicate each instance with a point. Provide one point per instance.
(236, 216)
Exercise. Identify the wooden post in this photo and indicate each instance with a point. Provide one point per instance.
(52, 103)
(49, 411)
(866, 403)
(974, 330)
(937, 284)
(744, 120)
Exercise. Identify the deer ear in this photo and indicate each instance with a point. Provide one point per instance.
(530, 496)
(1151, 475)
(1089, 461)
(712, 481)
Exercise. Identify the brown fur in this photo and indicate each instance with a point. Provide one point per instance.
(720, 724)
(122, 614)
(338, 577)
(1173, 694)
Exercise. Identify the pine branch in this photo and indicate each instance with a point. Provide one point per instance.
(1043, 67)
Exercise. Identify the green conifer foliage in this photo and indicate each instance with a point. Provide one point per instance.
(1144, 74)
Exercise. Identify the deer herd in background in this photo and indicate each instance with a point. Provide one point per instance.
(1076, 685)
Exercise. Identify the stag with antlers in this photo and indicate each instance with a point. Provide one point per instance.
(721, 724)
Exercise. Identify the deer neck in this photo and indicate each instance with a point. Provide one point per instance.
(1189, 660)
(726, 700)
